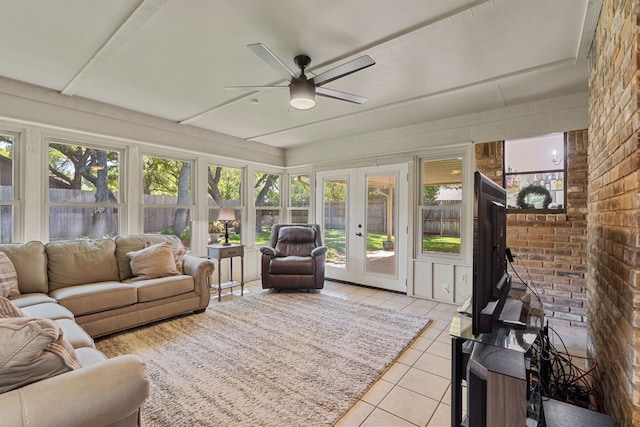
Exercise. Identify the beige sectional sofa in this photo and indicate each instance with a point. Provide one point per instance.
(89, 290)
(94, 281)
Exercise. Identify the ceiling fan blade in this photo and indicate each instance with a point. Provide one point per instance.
(270, 58)
(343, 70)
(255, 88)
(343, 96)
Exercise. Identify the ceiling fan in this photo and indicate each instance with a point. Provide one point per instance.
(303, 91)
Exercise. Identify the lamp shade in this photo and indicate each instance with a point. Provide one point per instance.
(227, 214)
(302, 94)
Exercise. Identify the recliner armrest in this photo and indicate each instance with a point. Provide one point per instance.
(268, 251)
(320, 250)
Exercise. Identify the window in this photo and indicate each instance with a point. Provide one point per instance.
(441, 206)
(224, 191)
(167, 199)
(535, 175)
(299, 198)
(267, 204)
(84, 191)
(7, 191)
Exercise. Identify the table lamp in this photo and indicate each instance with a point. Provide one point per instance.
(226, 216)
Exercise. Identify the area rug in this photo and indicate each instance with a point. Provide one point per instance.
(270, 359)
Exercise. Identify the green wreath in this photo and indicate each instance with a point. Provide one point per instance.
(533, 189)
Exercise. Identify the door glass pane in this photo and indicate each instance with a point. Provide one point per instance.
(381, 225)
(335, 221)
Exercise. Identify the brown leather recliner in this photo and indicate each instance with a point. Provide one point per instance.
(294, 259)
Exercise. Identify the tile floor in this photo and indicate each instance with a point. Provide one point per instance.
(415, 389)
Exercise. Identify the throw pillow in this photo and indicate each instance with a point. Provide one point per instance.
(8, 278)
(32, 350)
(8, 310)
(179, 252)
(153, 262)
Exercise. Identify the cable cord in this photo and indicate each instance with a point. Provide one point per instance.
(566, 381)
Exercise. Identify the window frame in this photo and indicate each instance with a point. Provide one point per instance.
(211, 204)
(191, 206)
(467, 153)
(282, 194)
(120, 205)
(422, 207)
(506, 175)
(15, 200)
(309, 207)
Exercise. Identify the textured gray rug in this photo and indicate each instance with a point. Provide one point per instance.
(290, 359)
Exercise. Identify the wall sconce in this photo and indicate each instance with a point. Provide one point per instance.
(226, 216)
(555, 159)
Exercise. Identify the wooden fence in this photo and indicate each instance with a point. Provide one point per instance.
(442, 220)
(69, 222)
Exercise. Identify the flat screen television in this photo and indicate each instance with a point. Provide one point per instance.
(491, 282)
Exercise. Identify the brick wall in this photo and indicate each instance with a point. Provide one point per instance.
(552, 247)
(613, 247)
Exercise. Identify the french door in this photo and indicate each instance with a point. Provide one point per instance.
(364, 214)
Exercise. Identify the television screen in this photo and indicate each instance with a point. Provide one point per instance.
(491, 282)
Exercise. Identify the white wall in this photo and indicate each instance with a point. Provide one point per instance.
(539, 118)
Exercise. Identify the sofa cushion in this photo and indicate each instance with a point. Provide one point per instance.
(25, 300)
(152, 262)
(126, 244)
(75, 335)
(32, 350)
(95, 297)
(8, 278)
(90, 356)
(77, 262)
(52, 311)
(30, 261)
(164, 287)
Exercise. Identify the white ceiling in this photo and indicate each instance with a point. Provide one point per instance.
(172, 58)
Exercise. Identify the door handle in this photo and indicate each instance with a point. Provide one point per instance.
(359, 234)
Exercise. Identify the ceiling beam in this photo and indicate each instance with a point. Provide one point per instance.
(119, 38)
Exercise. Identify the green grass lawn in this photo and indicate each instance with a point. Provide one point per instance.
(441, 244)
(336, 240)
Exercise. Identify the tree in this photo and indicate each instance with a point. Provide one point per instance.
(181, 216)
(172, 178)
(224, 184)
(266, 189)
(300, 190)
(430, 192)
(82, 168)
(90, 169)
(335, 191)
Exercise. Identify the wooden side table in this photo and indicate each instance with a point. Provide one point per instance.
(220, 252)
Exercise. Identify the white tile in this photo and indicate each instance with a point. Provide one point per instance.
(409, 405)
(380, 418)
(435, 364)
(377, 392)
(395, 372)
(356, 415)
(442, 417)
(425, 383)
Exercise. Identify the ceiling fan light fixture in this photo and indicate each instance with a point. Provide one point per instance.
(302, 94)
